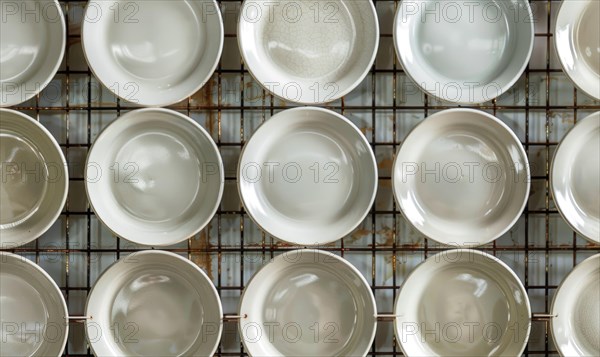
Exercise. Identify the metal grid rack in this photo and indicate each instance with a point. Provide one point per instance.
(540, 108)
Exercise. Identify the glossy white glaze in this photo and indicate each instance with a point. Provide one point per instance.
(153, 53)
(576, 313)
(462, 303)
(307, 176)
(32, 45)
(33, 312)
(154, 177)
(577, 42)
(464, 52)
(34, 179)
(306, 51)
(575, 177)
(308, 303)
(154, 303)
(461, 177)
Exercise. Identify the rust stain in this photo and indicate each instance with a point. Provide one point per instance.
(359, 234)
(388, 234)
(251, 88)
(201, 255)
(204, 98)
(385, 183)
(386, 164)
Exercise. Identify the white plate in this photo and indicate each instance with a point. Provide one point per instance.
(153, 303)
(308, 51)
(308, 303)
(461, 177)
(153, 53)
(154, 176)
(577, 42)
(307, 176)
(35, 180)
(464, 51)
(576, 312)
(35, 320)
(33, 37)
(462, 303)
(575, 177)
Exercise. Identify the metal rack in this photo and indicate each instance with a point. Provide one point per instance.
(540, 108)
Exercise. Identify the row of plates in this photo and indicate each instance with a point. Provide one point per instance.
(307, 176)
(157, 53)
(302, 303)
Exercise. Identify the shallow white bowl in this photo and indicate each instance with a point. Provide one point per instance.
(461, 177)
(305, 51)
(153, 303)
(153, 53)
(464, 52)
(575, 177)
(33, 37)
(154, 176)
(35, 180)
(577, 42)
(576, 313)
(462, 303)
(307, 176)
(35, 320)
(308, 303)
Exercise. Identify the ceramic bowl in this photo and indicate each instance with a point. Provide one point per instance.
(464, 51)
(154, 177)
(305, 51)
(462, 303)
(575, 177)
(153, 53)
(575, 323)
(307, 176)
(35, 180)
(577, 42)
(35, 320)
(308, 303)
(153, 303)
(33, 34)
(461, 177)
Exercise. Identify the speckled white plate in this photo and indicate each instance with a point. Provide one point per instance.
(152, 53)
(33, 311)
(577, 42)
(575, 177)
(576, 311)
(32, 41)
(308, 303)
(465, 52)
(308, 51)
(35, 179)
(463, 303)
(154, 177)
(153, 303)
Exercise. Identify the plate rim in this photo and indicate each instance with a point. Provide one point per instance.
(325, 254)
(55, 290)
(56, 67)
(551, 181)
(480, 253)
(572, 274)
(559, 55)
(163, 103)
(165, 253)
(522, 152)
(339, 94)
(424, 91)
(178, 115)
(362, 138)
(65, 177)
